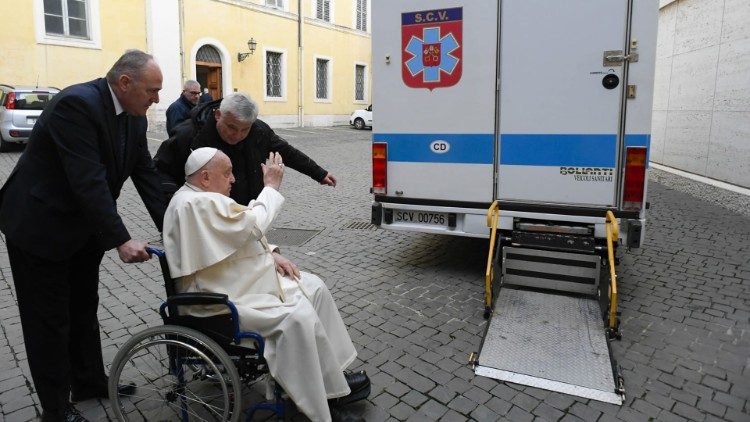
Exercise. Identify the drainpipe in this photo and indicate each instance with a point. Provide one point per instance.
(181, 12)
(300, 86)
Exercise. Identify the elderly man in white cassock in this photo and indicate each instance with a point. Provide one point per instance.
(214, 244)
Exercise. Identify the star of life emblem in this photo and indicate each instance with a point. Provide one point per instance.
(431, 48)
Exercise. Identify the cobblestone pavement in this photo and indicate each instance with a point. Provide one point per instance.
(413, 304)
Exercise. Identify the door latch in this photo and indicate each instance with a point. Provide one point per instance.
(616, 57)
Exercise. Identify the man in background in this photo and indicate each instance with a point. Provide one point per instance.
(206, 97)
(179, 110)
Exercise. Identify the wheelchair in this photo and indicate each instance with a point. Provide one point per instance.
(191, 368)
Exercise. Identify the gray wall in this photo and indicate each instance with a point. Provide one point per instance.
(701, 119)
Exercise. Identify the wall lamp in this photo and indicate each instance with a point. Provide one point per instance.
(251, 46)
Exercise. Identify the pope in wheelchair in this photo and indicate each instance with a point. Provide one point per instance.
(213, 244)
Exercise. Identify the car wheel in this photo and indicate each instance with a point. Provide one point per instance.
(359, 124)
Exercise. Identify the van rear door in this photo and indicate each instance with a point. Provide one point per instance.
(560, 101)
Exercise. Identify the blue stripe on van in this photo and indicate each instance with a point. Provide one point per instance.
(416, 147)
(563, 150)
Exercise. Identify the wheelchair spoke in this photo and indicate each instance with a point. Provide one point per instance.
(180, 374)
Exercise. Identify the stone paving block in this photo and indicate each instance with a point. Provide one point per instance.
(477, 395)
(715, 383)
(397, 389)
(415, 381)
(458, 385)
(737, 416)
(462, 405)
(442, 394)
(547, 412)
(667, 416)
(646, 408)
(384, 400)
(517, 414)
(571, 418)
(584, 412)
(433, 410)
(21, 415)
(659, 400)
(414, 398)
(559, 401)
(17, 404)
(688, 412)
(730, 401)
(499, 406)
(712, 407)
(401, 411)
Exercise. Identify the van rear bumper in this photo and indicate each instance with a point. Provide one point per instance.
(472, 222)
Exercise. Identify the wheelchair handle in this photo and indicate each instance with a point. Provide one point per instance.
(155, 251)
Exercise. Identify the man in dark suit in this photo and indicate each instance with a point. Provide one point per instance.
(59, 214)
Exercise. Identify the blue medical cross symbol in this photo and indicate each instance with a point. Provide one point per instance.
(448, 63)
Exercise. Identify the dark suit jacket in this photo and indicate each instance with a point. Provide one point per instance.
(64, 187)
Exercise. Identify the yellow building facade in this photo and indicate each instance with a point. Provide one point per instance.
(308, 69)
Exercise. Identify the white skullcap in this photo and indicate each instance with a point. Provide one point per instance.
(198, 158)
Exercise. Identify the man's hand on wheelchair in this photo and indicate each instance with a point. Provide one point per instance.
(133, 251)
(285, 267)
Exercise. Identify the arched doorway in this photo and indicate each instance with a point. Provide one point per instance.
(208, 70)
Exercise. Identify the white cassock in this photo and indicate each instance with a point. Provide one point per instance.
(216, 245)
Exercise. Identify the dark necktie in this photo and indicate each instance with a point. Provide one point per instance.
(122, 138)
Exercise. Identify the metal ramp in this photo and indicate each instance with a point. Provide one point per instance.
(549, 341)
(557, 338)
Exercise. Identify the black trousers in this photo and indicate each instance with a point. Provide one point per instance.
(57, 302)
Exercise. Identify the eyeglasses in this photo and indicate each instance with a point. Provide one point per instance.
(194, 92)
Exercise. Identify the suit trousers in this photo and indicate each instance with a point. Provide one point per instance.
(58, 302)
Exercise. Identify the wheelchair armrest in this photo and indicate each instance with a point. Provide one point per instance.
(198, 299)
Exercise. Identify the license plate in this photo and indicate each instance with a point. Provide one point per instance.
(420, 217)
(30, 120)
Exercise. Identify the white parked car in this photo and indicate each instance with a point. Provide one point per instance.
(361, 119)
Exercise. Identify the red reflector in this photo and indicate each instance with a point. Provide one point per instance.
(15, 133)
(379, 167)
(10, 101)
(635, 178)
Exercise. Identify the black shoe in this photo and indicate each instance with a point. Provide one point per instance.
(101, 393)
(359, 384)
(70, 414)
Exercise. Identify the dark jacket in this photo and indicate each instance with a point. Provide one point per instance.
(63, 188)
(206, 98)
(178, 112)
(246, 156)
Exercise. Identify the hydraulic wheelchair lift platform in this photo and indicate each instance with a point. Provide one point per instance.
(552, 318)
(549, 341)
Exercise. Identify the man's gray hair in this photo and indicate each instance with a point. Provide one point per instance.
(241, 106)
(132, 64)
(190, 82)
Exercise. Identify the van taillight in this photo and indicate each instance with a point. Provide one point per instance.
(10, 101)
(635, 178)
(379, 167)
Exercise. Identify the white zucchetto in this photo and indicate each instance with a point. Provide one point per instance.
(198, 158)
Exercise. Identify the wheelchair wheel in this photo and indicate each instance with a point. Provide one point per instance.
(179, 373)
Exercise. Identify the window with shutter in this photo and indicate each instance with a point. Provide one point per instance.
(323, 10)
(362, 15)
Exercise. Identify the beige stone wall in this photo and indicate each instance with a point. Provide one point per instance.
(701, 119)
